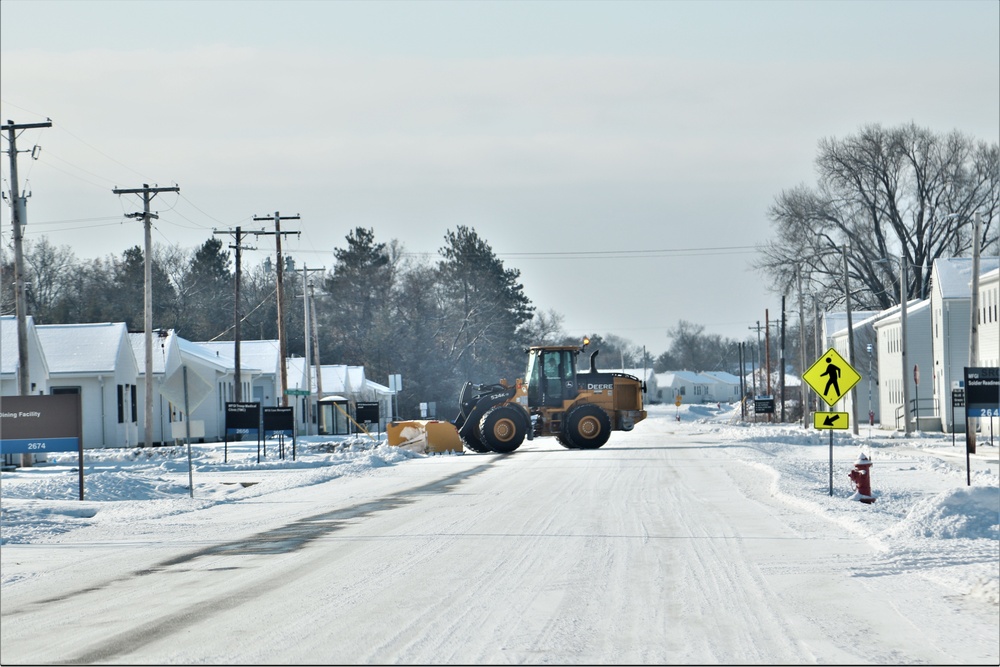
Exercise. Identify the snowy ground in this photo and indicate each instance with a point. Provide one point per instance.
(933, 517)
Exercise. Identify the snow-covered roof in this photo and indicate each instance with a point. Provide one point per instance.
(161, 342)
(668, 378)
(952, 277)
(8, 343)
(262, 355)
(836, 322)
(82, 348)
(211, 358)
(892, 315)
(723, 376)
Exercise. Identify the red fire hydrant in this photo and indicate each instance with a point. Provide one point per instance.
(861, 476)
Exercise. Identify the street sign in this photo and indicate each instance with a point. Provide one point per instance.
(982, 391)
(836, 420)
(297, 392)
(831, 376)
(763, 405)
(958, 398)
(367, 412)
(677, 401)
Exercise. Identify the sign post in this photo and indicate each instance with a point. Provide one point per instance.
(836, 377)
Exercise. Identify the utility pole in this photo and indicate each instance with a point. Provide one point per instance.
(319, 369)
(850, 347)
(282, 345)
(802, 346)
(970, 423)
(767, 356)
(237, 316)
(306, 284)
(758, 327)
(18, 219)
(781, 373)
(743, 378)
(147, 194)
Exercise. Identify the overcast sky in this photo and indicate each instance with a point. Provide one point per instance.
(621, 155)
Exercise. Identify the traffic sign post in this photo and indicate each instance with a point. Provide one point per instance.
(831, 377)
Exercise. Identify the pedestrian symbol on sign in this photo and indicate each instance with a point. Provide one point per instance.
(831, 376)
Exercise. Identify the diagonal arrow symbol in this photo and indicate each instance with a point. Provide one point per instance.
(830, 419)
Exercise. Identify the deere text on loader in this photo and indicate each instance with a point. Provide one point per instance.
(580, 409)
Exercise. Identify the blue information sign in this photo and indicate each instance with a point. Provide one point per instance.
(39, 445)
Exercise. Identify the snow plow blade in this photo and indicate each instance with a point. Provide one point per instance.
(425, 436)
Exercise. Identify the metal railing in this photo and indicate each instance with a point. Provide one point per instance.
(918, 410)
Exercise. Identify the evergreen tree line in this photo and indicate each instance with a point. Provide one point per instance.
(438, 324)
(464, 317)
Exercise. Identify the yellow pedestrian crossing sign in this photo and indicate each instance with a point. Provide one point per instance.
(831, 376)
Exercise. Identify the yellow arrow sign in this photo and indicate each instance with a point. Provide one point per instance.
(831, 420)
(831, 376)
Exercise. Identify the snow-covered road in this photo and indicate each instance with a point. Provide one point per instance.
(663, 547)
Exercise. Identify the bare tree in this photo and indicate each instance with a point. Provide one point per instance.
(904, 193)
(545, 328)
(48, 270)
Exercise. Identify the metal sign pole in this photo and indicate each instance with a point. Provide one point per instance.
(831, 463)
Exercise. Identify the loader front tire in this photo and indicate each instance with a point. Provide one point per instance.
(502, 429)
(475, 444)
(587, 426)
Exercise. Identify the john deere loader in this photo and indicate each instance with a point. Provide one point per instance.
(580, 409)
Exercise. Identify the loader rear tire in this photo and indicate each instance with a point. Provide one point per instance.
(502, 429)
(564, 441)
(587, 426)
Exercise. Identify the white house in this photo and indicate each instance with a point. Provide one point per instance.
(988, 344)
(260, 368)
(97, 362)
(218, 372)
(342, 388)
(10, 372)
(726, 388)
(166, 361)
(988, 330)
(919, 353)
(690, 386)
(951, 303)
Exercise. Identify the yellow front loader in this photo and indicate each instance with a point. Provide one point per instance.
(580, 409)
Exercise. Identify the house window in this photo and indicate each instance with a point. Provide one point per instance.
(135, 416)
(121, 403)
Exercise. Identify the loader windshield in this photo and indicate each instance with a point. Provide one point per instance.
(551, 377)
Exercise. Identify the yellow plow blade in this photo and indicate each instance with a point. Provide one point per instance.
(425, 436)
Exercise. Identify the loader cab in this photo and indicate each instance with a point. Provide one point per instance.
(551, 375)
